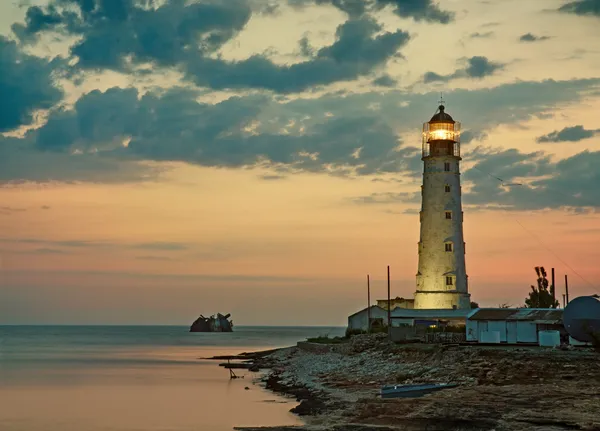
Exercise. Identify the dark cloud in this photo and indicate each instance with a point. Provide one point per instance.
(186, 36)
(21, 161)
(582, 7)
(211, 135)
(568, 134)
(359, 49)
(26, 85)
(512, 180)
(467, 136)
(528, 37)
(385, 81)
(476, 68)
(118, 135)
(571, 182)
(419, 10)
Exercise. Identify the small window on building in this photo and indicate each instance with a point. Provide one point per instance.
(447, 188)
(448, 246)
(448, 215)
(449, 281)
(447, 166)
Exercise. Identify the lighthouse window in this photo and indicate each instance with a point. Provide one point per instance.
(447, 188)
(448, 215)
(447, 166)
(448, 246)
(449, 281)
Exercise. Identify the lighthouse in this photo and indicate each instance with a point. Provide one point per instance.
(441, 276)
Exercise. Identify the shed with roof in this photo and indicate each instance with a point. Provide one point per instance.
(512, 325)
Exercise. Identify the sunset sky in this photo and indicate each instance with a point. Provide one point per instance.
(161, 159)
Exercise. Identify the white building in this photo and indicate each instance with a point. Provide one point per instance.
(441, 276)
(511, 325)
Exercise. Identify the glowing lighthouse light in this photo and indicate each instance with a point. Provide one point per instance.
(441, 276)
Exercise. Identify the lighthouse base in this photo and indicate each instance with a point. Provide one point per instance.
(442, 300)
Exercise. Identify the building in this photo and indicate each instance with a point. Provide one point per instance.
(396, 302)
(512, 325)
(406, 317)
(441, 276)
(358, 321)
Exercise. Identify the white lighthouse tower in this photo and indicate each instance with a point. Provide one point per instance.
(441, 276)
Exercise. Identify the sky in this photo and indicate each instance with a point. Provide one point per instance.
(161, 159)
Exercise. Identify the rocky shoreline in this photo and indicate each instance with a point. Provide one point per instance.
(501, 388)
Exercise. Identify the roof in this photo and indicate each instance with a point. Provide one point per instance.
(441, 116)
(364, 310)
(411, 313)
(538, 315)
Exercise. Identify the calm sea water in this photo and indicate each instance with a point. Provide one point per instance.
(136, 378)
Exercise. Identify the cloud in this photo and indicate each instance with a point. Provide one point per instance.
(153, 258)
(120, 135)
(467, 136)
(21, 161)
(166, 246)
(359, 48)
(582, 7)
(272, 177)
(512, 180)
(210, 135)
(528, 37)
(569, 183)
(419, 10)
(81, 244)
(26, 85)
(568, 134)
(388, 197)
(48, 251)
(478, 35)
(476, 67)
(385, 81)
(5, 210)
(187, 36)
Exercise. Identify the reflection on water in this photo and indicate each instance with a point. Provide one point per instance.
(134, 379)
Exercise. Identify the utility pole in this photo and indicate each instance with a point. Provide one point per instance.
(552, 288)
(564, 296)
(389, 307)
(567, 288)
(368, 305)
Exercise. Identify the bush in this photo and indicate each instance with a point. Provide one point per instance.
(326, 340)
(374, 330)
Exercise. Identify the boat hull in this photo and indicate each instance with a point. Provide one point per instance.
(412, 391)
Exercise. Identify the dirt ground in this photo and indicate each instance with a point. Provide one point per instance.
(500, 388)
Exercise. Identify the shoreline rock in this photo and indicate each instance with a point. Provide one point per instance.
(501, 388)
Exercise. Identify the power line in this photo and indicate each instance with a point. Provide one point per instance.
(555, 255)
(535, 237)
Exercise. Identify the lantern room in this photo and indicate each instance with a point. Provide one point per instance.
(441, 135)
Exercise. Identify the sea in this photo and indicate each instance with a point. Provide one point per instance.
(137, 378)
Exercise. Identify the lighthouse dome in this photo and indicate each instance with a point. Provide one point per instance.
(441, 116)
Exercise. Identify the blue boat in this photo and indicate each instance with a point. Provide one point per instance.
(413, 391)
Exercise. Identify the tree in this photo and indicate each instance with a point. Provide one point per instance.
(474, 305)
(541, 296)
(504, 305)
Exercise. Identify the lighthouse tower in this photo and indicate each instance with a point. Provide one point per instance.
(441, 276)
